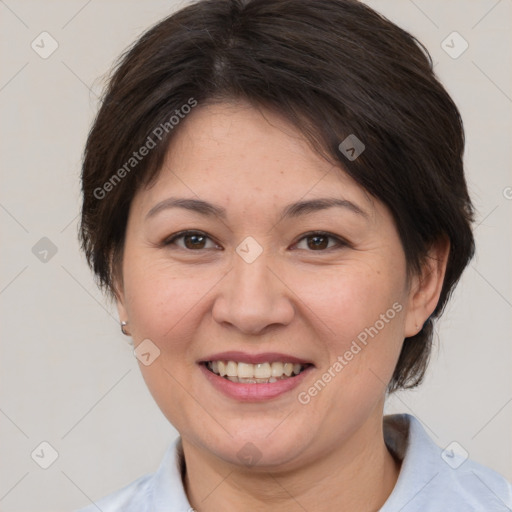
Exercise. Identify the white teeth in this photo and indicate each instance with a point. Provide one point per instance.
(232, 369)
(277, 369)
(245, 371)
(254, 373)
(261, 370)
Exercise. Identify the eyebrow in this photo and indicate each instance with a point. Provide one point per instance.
(195, 205)
(314, 205)
(292, 210)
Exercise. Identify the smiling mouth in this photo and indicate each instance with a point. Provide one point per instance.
(260, 373)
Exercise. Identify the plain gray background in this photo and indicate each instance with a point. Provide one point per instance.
(69, 378)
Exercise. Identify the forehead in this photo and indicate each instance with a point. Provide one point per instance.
(230, 151)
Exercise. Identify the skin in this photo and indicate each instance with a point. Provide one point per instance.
(295, 298)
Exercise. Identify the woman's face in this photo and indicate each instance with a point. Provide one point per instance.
(255, 285)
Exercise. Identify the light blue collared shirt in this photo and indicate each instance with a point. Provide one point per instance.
(430, 480)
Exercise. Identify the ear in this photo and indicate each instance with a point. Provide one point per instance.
(425, 289)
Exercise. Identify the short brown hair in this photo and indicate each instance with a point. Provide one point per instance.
(333, 68)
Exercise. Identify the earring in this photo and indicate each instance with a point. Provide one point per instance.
(123, 328)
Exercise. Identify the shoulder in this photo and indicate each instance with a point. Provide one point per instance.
(156, 492)
(477, 486)
(134, 497)
(432, 479)
(470, 487)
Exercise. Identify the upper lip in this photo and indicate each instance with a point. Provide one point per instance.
(244, 357)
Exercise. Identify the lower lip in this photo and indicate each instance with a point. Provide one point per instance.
(253, 392)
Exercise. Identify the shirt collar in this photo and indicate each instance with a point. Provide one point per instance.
(406, 438)
(168, 488)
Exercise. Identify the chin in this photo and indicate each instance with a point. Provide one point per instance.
(266, 445)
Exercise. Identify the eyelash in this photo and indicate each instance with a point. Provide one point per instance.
(340, 243)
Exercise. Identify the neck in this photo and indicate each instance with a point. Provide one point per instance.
(358, 475)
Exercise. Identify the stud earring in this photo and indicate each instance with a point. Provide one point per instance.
(123, 328)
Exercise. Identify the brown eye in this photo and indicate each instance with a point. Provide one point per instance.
(191, 240)
(320, 241)
(194, 241)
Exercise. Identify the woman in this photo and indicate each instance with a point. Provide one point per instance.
(274, 195)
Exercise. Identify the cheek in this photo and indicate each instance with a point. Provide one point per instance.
(162, 298)
(165, 303)
(349, 299)
(358, 313)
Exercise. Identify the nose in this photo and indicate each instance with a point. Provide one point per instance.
(252, 297)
